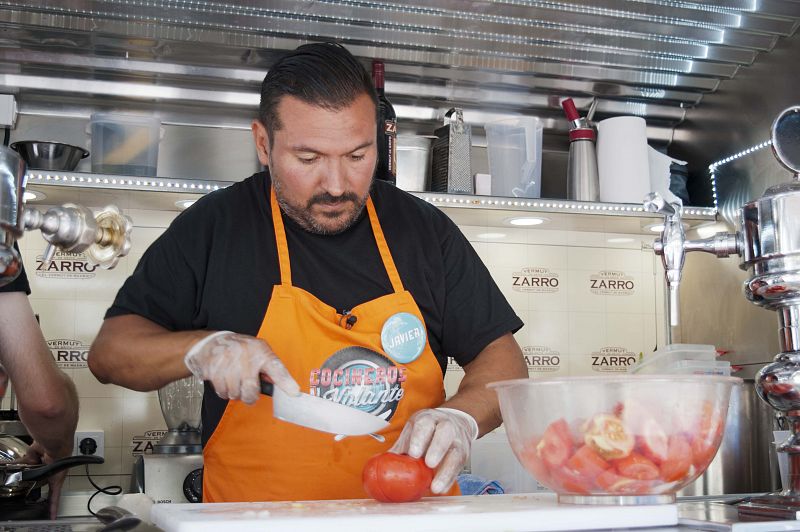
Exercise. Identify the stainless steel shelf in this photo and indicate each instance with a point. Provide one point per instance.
(545, 205)
(122, 182)
(144, 192)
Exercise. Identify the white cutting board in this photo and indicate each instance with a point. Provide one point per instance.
(478, 513)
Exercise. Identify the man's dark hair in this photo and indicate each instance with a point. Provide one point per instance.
(322, 74)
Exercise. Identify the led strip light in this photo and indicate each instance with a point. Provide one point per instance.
(163, 184)
(447, 200)
(712, 168)
(124, 182)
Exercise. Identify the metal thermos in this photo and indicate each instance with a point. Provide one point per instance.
(583, 183)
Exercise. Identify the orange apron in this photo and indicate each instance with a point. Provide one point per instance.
(253, 456)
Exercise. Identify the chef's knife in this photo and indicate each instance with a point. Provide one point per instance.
(321, 414)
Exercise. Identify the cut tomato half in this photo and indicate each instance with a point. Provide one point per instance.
(611, 482)
(529, 456)
(587, 463)
(556, 445)
(653, 442)
(679, 459)
(608, 437)
(637, 467)
(708, 437)
(568, 481)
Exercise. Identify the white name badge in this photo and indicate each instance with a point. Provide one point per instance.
(403, 337)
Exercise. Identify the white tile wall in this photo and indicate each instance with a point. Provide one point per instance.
(71, 307)
(566, 324)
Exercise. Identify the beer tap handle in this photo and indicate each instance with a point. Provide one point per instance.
(49, 253)
(671, 245)
(113, 237)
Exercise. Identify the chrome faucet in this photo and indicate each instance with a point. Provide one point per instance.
(673, 246)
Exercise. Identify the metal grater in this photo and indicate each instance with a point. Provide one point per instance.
(451, 171)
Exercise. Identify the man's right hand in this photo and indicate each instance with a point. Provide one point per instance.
(234, 364)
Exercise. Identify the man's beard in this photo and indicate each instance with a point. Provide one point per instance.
(302, 214)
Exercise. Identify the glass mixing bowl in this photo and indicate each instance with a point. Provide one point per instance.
(631, 439)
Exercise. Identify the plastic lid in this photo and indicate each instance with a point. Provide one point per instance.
(120, 118)
(687, 347)
(669, 355)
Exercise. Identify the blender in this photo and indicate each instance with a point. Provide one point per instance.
(768, 241)
(180, 403)
(173, 470)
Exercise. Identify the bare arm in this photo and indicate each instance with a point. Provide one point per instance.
(500, 360)
(136, 353)
(48, 403)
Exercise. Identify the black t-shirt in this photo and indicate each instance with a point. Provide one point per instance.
(20, 284)
(215, 266)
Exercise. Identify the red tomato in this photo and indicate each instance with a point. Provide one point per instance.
(707, 439)
(390, 477)
(587, 463)
(569, 481)
(529, 456)
(653, 441)
(679, 459)
(607, 435)
(611, 482)
(556, 444)
(637, 467)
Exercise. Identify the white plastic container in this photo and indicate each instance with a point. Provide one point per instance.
(683, 359)
(515, 156)
(699, 367)
(413, 163)
(124, 144)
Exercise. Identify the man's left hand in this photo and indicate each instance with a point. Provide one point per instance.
(37, 455)
(444, 437)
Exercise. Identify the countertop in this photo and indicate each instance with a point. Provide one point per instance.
(694, 513)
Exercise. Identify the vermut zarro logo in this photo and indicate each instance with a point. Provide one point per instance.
(536, 280)
(613, 359)
(541, 359)
(69, 354)
(612, 283)
(66, 266)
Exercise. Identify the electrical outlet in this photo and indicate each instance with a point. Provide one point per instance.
(90, 442)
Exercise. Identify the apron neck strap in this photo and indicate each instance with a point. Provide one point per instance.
(280, 239)
(283, 246)
(383, 248)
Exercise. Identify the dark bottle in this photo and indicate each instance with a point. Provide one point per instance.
(387, 129)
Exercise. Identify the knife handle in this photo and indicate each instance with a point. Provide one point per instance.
(267, 387)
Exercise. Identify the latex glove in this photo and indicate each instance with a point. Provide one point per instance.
(444, 437)
(234, 364)
(37, 455)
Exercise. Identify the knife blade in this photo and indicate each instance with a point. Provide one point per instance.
(321, 414)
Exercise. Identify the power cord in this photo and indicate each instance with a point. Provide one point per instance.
(108, 490)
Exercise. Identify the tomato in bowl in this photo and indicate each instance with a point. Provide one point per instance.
(616, 440)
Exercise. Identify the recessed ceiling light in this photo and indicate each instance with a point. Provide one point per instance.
(491, 236)
(619, 240)
(184, 204)
(32, 195)
(526, 221)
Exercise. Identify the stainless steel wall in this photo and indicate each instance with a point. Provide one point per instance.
(737, 117)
